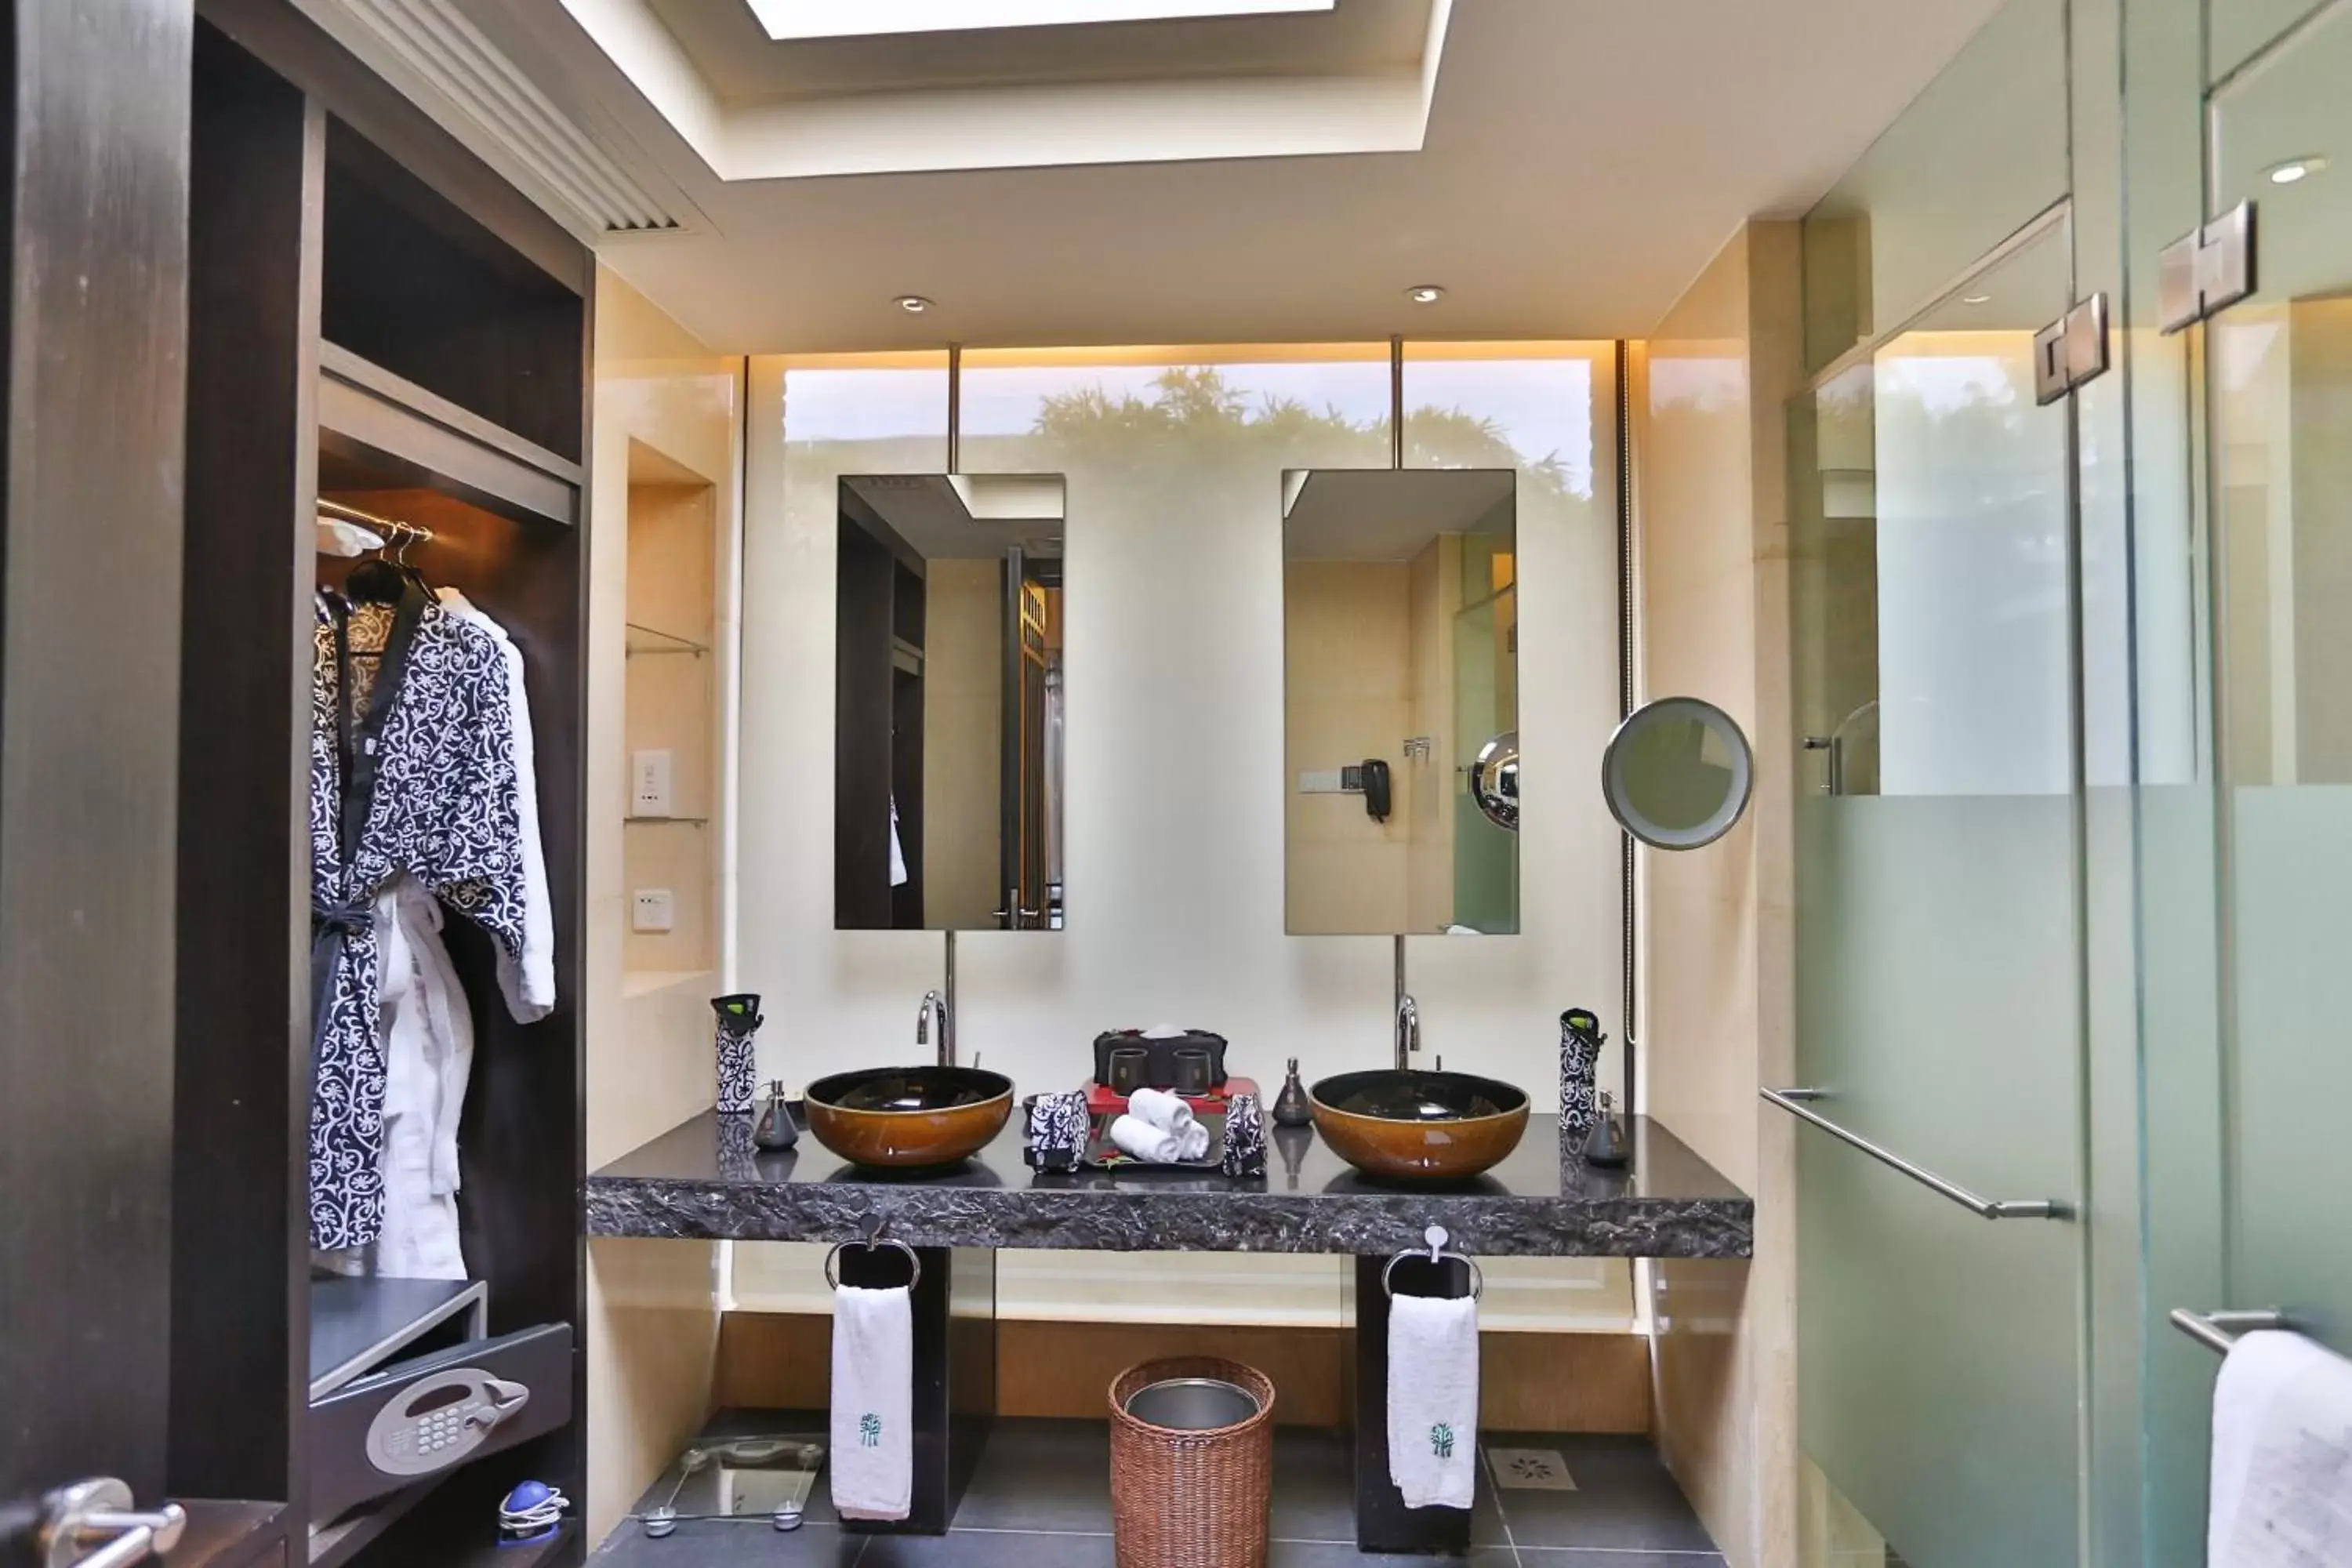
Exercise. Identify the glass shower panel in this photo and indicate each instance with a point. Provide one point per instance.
(1938, 947)
(2279, 381)
(1973, 159)
(2241, 28)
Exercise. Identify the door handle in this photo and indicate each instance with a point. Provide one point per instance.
(92, 1524)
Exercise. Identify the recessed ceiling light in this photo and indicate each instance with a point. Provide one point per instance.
(913, 304)
(1424, 293)
(1976, 298)
(2296, 169)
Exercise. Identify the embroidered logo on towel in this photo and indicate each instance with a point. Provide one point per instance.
(1441, 1440)
(869, 1430)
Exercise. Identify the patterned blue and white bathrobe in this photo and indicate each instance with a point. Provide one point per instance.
(416, 773)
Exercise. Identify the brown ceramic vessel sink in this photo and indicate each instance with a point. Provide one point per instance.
(1419, 1126)
(900, 1118)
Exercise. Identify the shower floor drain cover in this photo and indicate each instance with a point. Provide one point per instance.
(1530, 1470)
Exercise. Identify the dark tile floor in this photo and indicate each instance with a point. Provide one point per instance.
(1041, 1499)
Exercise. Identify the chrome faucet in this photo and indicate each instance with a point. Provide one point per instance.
(1408, 1031)
(935, 1005)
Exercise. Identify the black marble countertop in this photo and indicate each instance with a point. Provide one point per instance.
(701, 1182)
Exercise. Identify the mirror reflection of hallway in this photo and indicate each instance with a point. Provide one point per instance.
(1400, 670)
(949, 709)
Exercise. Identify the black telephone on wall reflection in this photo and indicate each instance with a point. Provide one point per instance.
(1375, 774)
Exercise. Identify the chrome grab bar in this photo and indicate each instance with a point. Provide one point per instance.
(98, 1513)
(1792, 1100)
(2218, 1331)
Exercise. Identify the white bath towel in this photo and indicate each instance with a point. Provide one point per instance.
(1162, 1109)
(872, 1402)
(2282, 1449)
(1433, 1400)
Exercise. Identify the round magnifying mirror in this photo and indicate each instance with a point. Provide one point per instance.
(1678, 773)
(1494, 780)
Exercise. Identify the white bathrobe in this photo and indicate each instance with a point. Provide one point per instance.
(530, 985)
(428, 1047)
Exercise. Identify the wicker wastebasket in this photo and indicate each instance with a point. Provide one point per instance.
(1192, 1497)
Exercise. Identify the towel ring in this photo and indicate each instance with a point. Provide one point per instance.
(1436, 1237)
(914, 1261)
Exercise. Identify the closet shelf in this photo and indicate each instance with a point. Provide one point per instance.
(438, 444)
(653, 639)
(347, 1537)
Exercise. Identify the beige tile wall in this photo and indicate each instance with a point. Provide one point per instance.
(1347, 691)
(1717, 922)
(1435, 587)
(665, 405)
(963, 709)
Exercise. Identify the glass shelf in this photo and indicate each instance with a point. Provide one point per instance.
(650, 639)
(688, 821)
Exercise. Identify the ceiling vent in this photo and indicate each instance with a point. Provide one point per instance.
(435, 47)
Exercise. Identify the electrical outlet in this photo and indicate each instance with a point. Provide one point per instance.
(652, 910)
(649, 774)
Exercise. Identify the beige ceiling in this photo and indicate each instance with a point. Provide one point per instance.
(1383, 514)
(1583, 160)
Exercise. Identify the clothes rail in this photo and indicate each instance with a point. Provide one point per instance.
(415, 533)
(1792, 1100)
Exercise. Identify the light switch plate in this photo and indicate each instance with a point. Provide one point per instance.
(1327, 782)
(649, 774)
(652, 910)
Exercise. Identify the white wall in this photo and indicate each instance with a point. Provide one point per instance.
(1175, 812)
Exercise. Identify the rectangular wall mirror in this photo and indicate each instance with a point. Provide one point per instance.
(948, 703)
(1401, 702)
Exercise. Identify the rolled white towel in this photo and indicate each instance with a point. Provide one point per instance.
(1194, 1141)
(1147, 1142)
(1161, 1108)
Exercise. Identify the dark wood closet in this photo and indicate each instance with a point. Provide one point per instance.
(376, 317)
(879, 722)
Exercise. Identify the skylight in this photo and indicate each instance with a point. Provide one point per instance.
(792, 19)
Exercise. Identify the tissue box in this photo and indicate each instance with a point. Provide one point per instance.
(1159, 1070)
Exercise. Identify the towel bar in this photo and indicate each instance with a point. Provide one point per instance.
(1791, 1100)
(1437, 1238)
(914, 1259)
(2219, 1331)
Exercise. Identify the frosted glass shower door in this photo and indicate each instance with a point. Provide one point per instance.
(2248, 1160)
(1939, 953)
